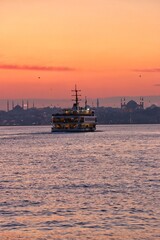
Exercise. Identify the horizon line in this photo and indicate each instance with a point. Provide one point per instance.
(62, 99)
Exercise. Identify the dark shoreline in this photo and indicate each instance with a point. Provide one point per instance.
(105, 116)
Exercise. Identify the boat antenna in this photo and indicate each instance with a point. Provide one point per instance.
(85, 102)
(76, 95)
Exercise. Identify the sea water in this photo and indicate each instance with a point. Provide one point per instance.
(97, 185)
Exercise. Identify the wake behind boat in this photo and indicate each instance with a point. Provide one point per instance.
(75, 119)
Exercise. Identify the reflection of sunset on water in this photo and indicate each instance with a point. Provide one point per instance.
(101, 185)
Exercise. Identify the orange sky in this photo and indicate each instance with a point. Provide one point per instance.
(106, 47)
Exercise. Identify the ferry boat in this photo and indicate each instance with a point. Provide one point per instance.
(75, 119)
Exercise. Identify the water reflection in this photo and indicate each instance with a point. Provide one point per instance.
(101, 185)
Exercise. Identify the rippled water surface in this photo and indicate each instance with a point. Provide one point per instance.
(101, 185)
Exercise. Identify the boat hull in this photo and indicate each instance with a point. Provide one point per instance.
(53, 130)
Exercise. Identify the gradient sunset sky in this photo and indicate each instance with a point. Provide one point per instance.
(107, 47)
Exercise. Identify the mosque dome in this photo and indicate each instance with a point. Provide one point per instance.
(132, 105)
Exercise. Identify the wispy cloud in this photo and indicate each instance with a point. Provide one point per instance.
(157, 85)
(36, 68)
(147, 70)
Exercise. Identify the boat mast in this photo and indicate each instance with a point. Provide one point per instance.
(76, 95)
(85, 102)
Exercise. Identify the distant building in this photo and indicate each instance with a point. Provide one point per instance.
(17, 108)
(132, 106)
(153, 106)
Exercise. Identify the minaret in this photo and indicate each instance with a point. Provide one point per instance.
(97, 103)
(142, 102)
(22, 103)
(7, 105)
(27, 105)
(123, 103)
(12, 104)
